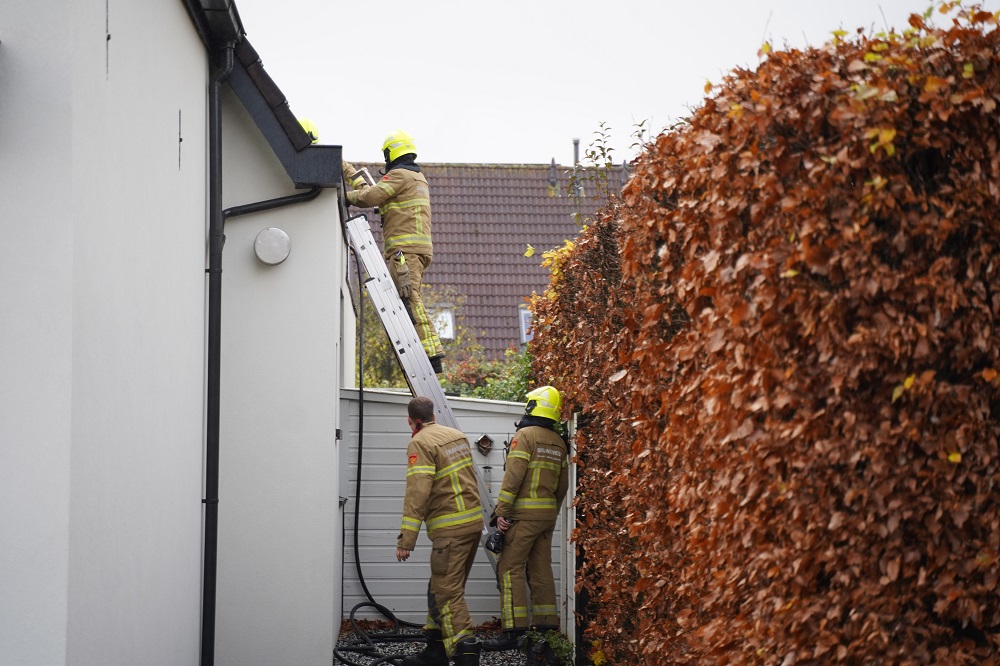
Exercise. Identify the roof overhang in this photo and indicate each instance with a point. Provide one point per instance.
(219, 25)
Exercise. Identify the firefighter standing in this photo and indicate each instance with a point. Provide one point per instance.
(534, 486)
(403, 200)
(441, 491)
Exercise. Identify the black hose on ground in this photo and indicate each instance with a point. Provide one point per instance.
(367, 644)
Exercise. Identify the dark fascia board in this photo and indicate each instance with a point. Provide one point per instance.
(308, 165)
(219, 25)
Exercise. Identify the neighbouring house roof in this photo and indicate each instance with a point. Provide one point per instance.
(484, 217)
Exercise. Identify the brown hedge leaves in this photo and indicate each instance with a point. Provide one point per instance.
(783, 340)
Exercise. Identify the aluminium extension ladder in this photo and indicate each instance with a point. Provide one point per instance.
(413, 361)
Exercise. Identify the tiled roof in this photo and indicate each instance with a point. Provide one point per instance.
(484, 216)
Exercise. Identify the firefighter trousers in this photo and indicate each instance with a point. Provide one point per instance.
(526, 563)
(417, 264)
(451, 562)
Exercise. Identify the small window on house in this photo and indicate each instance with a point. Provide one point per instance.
(444, 323)
(524, 317)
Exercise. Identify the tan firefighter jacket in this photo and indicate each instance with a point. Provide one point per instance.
(537, 476)
(441, 487)
(404, 201)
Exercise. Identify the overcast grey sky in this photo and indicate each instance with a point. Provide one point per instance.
(517, 81)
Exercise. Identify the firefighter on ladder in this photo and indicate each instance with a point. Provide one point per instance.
(441, 491)
(403, 200)
(534, 487)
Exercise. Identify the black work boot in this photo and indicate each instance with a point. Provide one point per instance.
(436, 364)
(544, 628)
(433, 654)
(508, 640)
(467, 651)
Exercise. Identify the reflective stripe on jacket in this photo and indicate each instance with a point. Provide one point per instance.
(404, 202)
(537, 476)
(441, 487)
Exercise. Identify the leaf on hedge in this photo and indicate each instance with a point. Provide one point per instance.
(934, 83)
(738, 313)
(717, 340)
(711, 260)
(968, 70)
(908, 382)
(892, 568)
(955, 457)
(790, 273)
(989, 374)
(864, 92)
(897, 392)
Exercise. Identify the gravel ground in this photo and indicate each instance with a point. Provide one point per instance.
(391, 645)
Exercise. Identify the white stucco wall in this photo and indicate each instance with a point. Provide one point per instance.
(279, 520)
(102, 330)
(402, 587)
(36, 292)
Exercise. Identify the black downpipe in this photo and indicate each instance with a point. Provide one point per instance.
(216, 240)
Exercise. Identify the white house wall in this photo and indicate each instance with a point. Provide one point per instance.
(102, 332)
(279, 520)
(402, 586)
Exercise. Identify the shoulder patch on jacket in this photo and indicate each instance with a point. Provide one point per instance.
(413, 459)
(513, 444)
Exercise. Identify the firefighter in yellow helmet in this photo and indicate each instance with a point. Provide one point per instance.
(534, 486)
(404, 201)
(310, 128)
(442, 492)
(312, 131)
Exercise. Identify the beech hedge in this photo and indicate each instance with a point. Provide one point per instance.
(782, 341)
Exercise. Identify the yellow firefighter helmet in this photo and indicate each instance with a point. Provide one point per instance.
(544, 402)
(397, 144)
(310, 129)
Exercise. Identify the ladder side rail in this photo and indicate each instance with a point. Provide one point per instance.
(407, 348)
